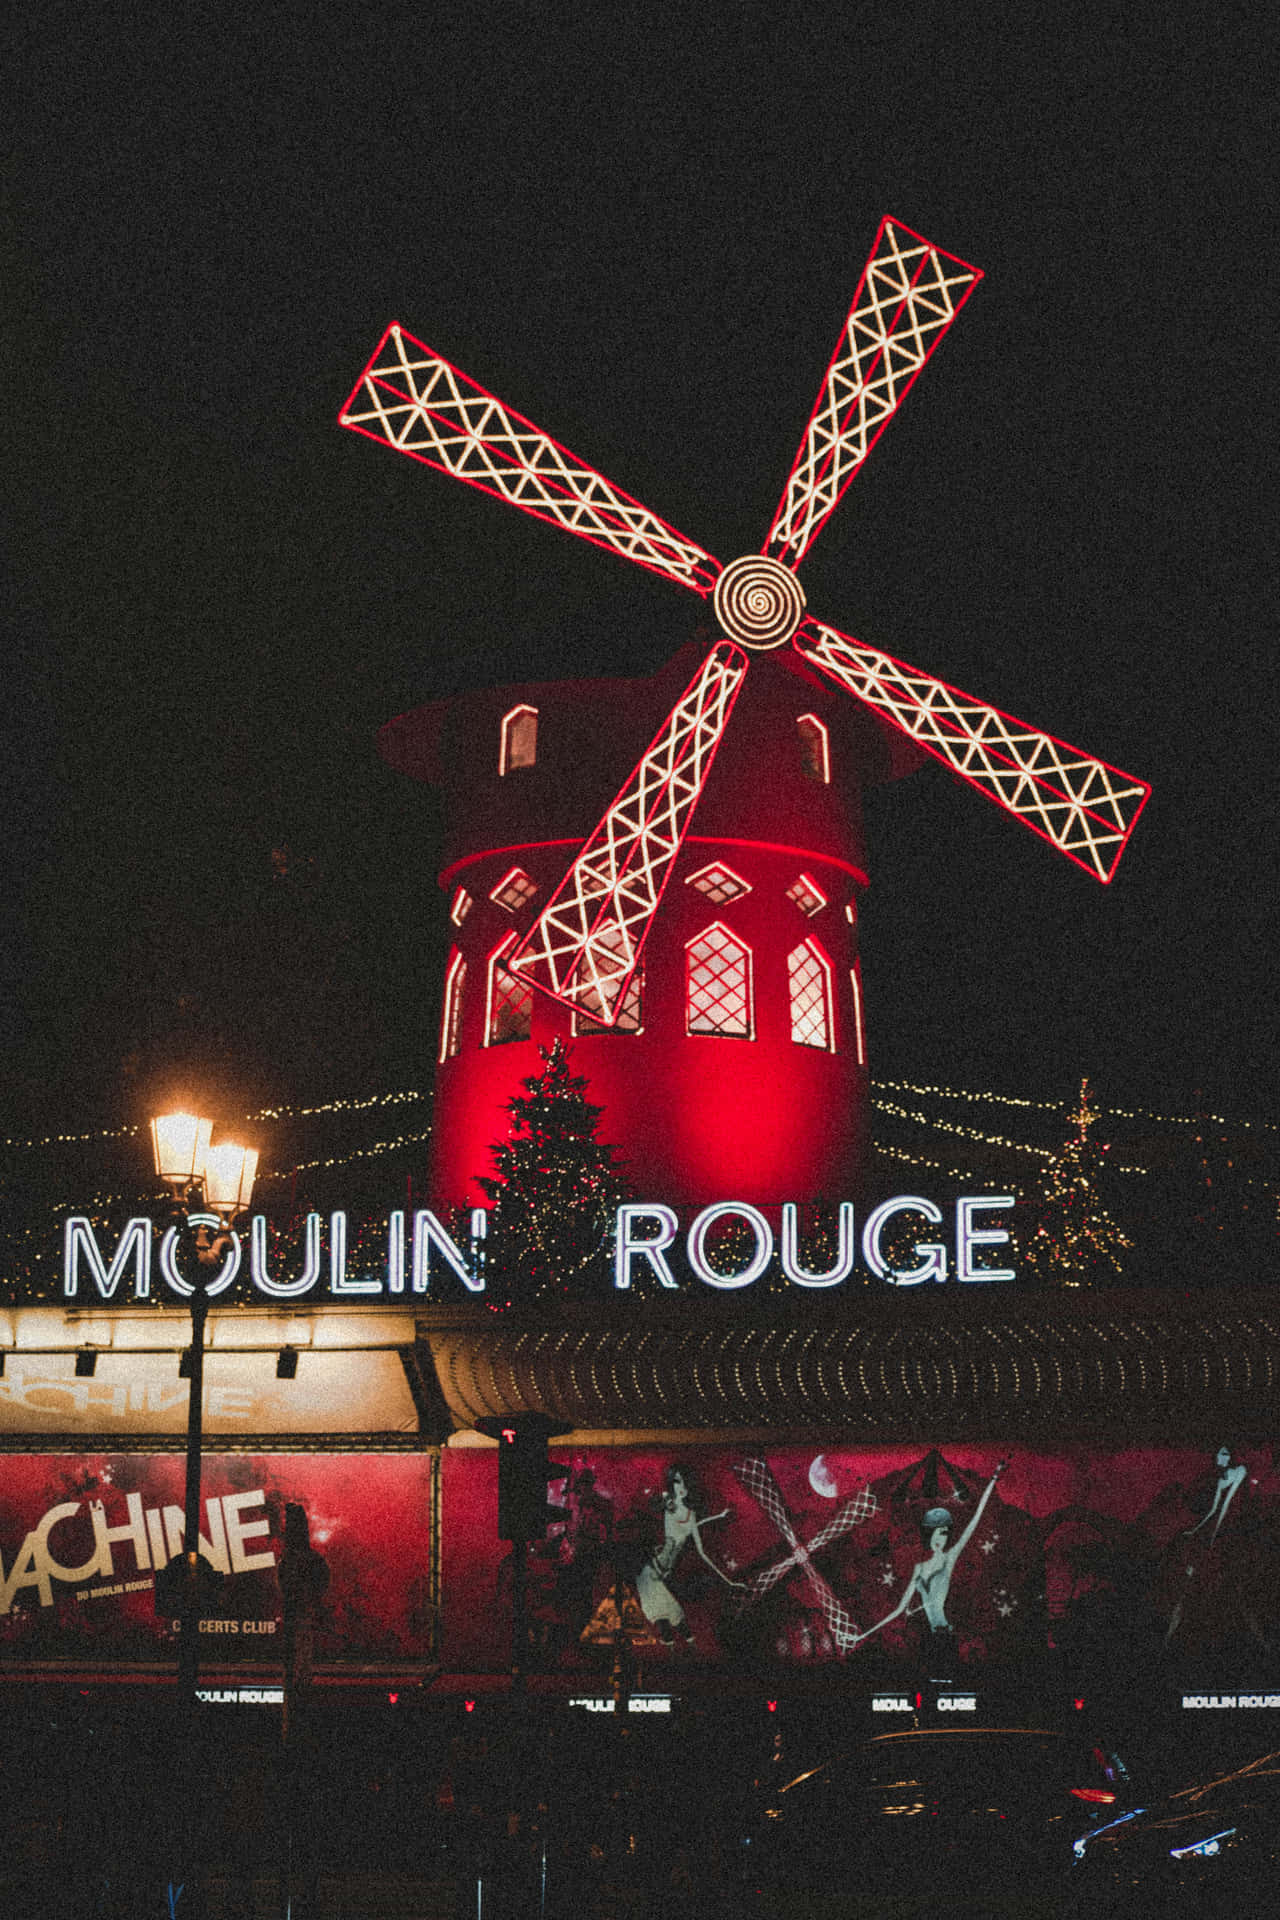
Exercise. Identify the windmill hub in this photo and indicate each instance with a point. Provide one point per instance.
(758, 602)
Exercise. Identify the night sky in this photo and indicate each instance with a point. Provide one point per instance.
(642, 228)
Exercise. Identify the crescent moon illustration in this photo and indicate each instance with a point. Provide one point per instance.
(820, 1478)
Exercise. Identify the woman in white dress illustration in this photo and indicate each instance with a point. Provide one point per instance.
(680, 1526)
(929, 1587)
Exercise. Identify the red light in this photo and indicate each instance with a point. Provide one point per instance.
(772, 1705)
(393, 1697)
(919, 1701)
(509, 1435)
(1079, 1706)
(469, 1706)
(1095, 1795)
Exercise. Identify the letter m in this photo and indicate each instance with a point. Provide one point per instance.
(79, 1241)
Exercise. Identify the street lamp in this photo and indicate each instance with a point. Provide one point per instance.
(210, 1186)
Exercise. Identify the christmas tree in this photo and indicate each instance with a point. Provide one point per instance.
(554, 1191)
(1075, 1240)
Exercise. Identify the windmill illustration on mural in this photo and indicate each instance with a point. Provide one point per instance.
(586, 944)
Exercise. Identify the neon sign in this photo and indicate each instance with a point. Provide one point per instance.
(646, 1237)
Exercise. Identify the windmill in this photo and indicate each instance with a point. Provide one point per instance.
(585, 944)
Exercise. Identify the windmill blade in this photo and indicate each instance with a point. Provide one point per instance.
(1082, 806)
(908, 295)
(585, 945)
(415, 401)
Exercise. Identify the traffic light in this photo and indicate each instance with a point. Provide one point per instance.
(523, 1474)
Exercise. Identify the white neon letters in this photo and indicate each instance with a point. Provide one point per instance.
(968, 1237)
(169, 1266)
(284, 1289)
(135, 1244)
(695, 1245)
(789, 1250)
(422, 1253)
(650, 1247)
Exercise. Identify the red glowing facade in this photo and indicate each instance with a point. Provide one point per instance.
(736, 1064)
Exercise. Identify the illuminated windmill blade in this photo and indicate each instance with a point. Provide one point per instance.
(417, 403)
(1082, 806)
(908, 295)
(585, 945)
(761, 1485)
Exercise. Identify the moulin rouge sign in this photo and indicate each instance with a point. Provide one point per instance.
(648, 1240)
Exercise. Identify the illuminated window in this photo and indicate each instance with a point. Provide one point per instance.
(719, 883)
(462, 905)
(855, 976)
(719, 997)
(630, 1015)
(510, 1008)
(519, 739)
(815, 758)
(809, 980)
(514, 890)
(451, 1026)
(807, 895)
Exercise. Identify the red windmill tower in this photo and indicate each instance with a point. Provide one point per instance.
(757, 938)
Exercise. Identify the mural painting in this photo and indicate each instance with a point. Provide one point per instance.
(936, 1561)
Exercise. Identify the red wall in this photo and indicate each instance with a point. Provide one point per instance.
(695, 1118)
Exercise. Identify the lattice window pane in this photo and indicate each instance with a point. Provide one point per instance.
(630, 1014)
(807, 895)
(514, 891)
(510, 1006)
(810, 985)
(719, 985)
(719, 883)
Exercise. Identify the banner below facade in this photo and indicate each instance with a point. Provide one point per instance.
(81, 1537)
(942, 1561)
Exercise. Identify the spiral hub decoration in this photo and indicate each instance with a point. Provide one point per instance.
(758, 602)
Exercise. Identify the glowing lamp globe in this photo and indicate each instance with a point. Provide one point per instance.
(180, 1143)
(229, 1172)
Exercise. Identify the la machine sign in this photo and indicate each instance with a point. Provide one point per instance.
(650, 1242)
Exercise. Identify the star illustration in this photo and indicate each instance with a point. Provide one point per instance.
(989, 1546)
(1004, 1608)
(886, 1578)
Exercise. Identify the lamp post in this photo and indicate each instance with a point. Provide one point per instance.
(211, 1186)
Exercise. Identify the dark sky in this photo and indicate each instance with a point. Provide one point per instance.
(641, 227)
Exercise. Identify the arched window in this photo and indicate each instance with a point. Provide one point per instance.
(809, 982)
(514, 890)
(509, 1014)
(815, 756)
(719, 997)
(455, 981)
(630, 1014)
(519, 746)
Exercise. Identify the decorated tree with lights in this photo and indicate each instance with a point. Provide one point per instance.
(554, 1190)
(1074, 1240)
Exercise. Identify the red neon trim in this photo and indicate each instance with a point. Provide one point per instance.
(1095, 1795)
(556, 488)
(812, 633)
(450, 873)
(789, 550)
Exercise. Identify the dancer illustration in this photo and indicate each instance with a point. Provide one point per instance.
(680, 1525)
(1221, 1578)
(930, 1584)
